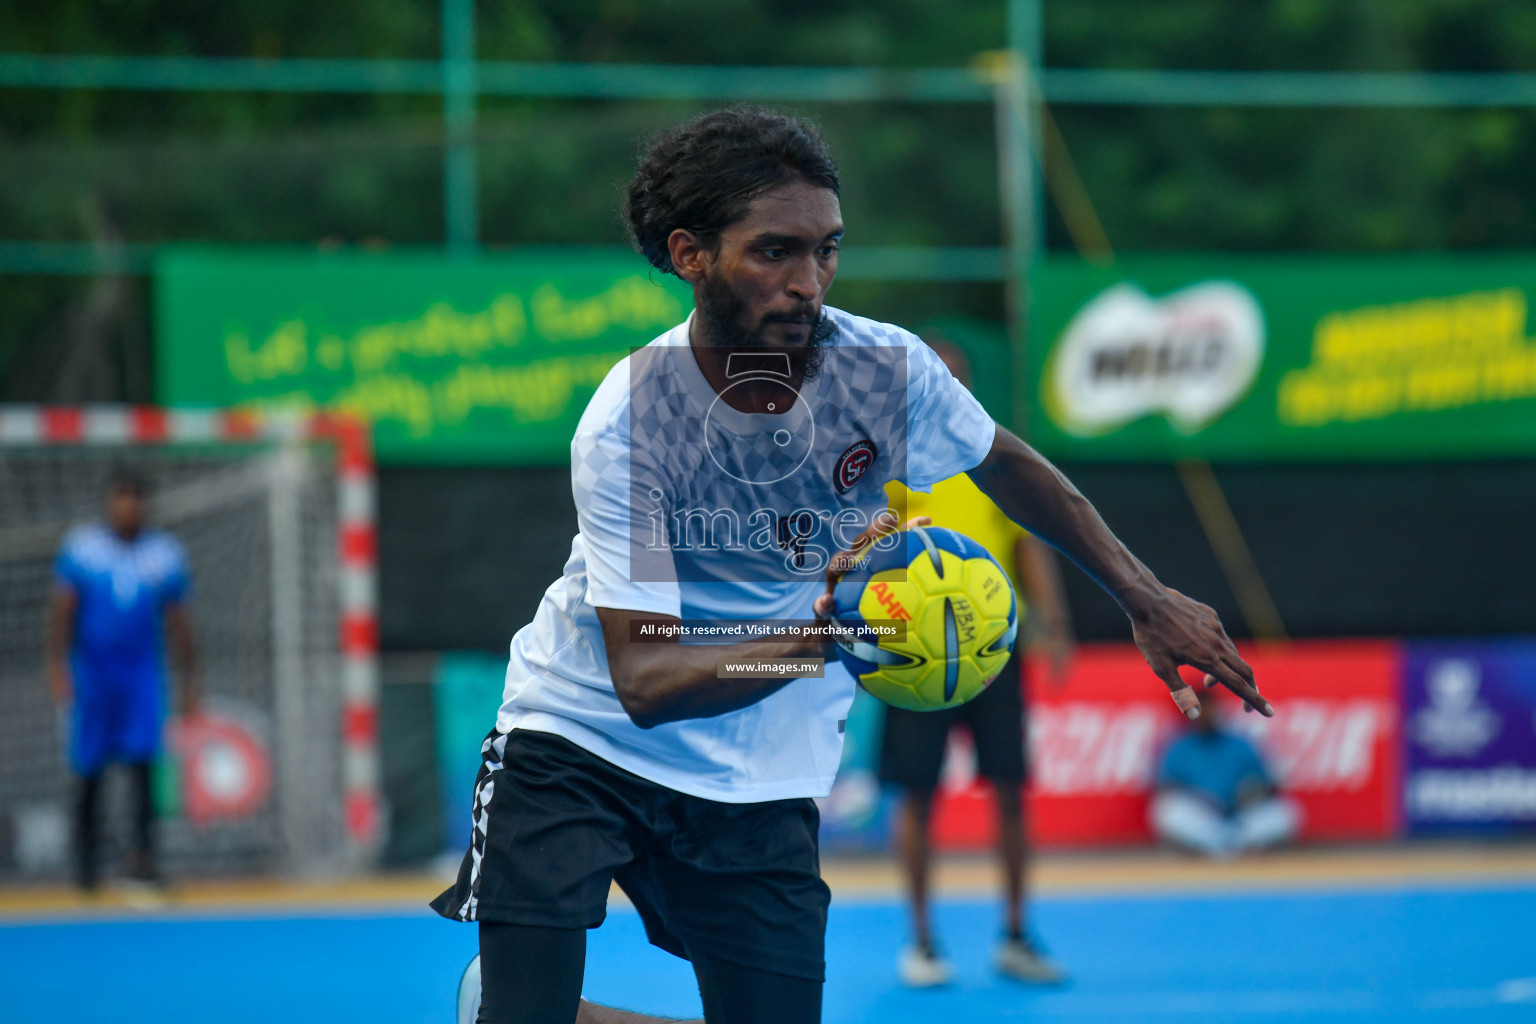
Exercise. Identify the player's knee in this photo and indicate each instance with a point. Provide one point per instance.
(1010, 804)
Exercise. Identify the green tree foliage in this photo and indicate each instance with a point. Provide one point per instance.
(1301, 179)
(306, 169)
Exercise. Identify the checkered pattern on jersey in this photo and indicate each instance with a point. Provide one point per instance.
(743, 502)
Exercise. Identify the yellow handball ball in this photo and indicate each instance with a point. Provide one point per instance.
(959, 610)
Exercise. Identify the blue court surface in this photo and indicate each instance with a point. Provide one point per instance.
(1438, 953)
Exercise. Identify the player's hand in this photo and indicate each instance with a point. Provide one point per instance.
(60, 686)
(844, 561)
(1175, 630)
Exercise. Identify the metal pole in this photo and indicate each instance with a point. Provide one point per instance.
(302, 801)
(1019, 193)
(1099, 86)
(461, 207)
(1026, 37)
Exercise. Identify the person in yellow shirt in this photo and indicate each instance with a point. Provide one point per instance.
(912, 751)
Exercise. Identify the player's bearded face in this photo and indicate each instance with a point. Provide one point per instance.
(763, 286)
(730, 322)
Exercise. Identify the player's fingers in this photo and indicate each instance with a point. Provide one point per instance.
(1235, 666)
(1235, 662)
(1244, 689)
(842, 562)
(1184, 697)
(1182, 693)
(1211, 680)
(823, 605)
(885, 523)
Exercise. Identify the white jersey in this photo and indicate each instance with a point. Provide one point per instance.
(690, 508)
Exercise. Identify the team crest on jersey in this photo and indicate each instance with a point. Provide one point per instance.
(853, 464)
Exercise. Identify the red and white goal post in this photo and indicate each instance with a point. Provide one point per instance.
(276, 511)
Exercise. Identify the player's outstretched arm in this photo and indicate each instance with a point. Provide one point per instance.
(668, 681)
(1170, 628)
(1041, 575)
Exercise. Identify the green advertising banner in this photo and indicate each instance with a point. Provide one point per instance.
(491, 360)
(1297, 357)
(988, 361)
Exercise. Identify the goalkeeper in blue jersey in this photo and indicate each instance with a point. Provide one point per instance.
(119, 586)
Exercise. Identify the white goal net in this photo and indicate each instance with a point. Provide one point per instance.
(276, 518)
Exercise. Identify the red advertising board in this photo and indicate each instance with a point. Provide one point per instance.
(1096, 738)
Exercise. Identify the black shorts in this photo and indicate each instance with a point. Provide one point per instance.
(555, 824)
(912, 748)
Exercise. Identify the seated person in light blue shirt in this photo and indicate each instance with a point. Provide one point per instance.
(1214, 795)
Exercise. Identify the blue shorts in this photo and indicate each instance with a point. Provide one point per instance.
(114, 720)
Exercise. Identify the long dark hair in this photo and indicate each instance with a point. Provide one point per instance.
(702, 175)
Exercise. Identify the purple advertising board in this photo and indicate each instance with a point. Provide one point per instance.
(1470, 731)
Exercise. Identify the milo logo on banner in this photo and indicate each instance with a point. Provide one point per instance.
(1189, 357)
